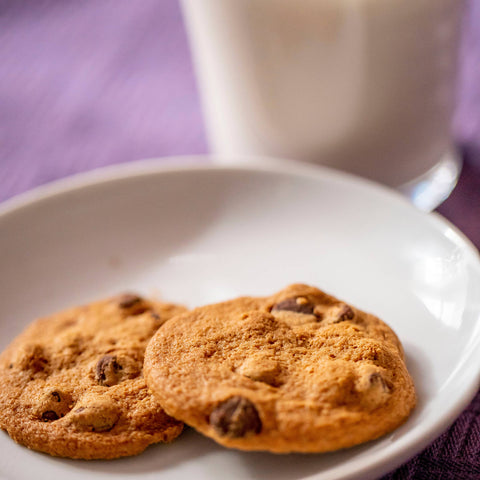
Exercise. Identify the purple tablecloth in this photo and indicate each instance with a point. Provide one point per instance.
(90, 83)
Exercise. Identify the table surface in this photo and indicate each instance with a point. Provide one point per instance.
(88, 84)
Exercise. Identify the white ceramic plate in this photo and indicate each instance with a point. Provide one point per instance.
(199, 235)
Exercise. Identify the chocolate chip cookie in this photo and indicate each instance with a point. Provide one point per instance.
(72, 384)
(300, 371)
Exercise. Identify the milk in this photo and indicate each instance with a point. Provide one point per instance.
(366, 86)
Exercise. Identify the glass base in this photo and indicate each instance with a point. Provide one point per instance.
(433, 187)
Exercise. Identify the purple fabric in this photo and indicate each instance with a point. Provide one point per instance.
(89, 83)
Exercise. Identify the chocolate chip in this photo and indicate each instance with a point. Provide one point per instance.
(235, 417)
(106, 370)
(56, 396)
(294, 305)
(49, 416)
(131, 304)
(53, 404)
(345, 313)
(128, 300)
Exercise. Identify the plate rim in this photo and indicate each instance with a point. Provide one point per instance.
(191, 163)
(208, 162)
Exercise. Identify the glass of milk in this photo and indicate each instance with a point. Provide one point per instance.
(365, 86)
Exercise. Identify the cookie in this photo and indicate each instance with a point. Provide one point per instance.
(299, 371)
(72, 384)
